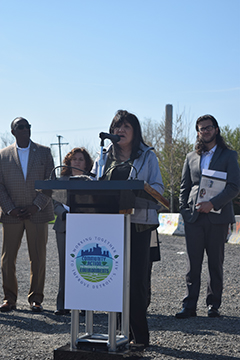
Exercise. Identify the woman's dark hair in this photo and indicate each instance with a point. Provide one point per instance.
(121, 117)
(68, 158)
(200, 146)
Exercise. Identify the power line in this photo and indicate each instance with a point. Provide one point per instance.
(70, 130)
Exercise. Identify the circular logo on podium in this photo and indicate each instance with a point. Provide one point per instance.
(94, 263)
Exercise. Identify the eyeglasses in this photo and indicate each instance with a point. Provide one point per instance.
(21, 127)
(207, 128)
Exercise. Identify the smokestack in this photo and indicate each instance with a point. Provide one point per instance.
(168, 124)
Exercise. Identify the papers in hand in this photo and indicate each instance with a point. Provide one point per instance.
(215, 174)
(212, 183)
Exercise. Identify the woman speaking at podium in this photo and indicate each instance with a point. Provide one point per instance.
(131, 158)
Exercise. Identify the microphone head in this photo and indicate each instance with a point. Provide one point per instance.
(116, 138)
(113, 138)
(102, 135)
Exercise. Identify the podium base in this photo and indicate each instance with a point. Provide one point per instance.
(64, 353)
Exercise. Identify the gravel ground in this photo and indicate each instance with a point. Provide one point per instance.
(25, 335)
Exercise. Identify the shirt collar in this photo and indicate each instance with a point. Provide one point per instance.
(27, 148)
(210, 152)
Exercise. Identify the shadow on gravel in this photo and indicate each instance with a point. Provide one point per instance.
(48, 323)
(179, 354)
(201, 325)
(25, 320)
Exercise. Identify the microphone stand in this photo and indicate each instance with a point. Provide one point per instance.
(101, 161)
(103, 136)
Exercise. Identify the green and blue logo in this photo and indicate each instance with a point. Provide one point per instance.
(94, 262)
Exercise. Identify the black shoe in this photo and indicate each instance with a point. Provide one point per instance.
(212, 312)
(186, 313)
(6, 307)
(35, 306)
(61, 312)
(137, 347)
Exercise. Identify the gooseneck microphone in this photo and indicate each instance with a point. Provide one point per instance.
(113, 138)
(53, 175)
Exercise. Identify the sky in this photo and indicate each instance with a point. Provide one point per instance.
(68, 65)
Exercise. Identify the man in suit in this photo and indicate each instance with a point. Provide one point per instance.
(24, 208)
(206, 230)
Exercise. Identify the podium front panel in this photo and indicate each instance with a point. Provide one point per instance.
(94, 262)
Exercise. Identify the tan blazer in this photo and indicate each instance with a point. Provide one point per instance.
(15, 191)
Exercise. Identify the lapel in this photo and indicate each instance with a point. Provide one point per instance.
(16, 158)
(197, 162)
(15, 155)
(215, 157)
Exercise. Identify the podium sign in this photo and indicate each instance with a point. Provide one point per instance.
(94, 262)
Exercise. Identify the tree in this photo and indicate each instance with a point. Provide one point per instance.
(171, 156)
(6, 139)
(232, 138)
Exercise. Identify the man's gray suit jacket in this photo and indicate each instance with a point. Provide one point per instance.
(222, 160)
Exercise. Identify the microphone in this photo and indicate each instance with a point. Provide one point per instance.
(121, 164)
(113, 138)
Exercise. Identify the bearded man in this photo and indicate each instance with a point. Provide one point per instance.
(205, 229)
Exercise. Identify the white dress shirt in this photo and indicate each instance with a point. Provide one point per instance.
(23, 154)
(207, 157)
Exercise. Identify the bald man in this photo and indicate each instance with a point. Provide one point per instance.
(23, 209)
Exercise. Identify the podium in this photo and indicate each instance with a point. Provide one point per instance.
(94, 200)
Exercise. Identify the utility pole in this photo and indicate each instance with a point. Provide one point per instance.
(168, 145)
(59, 143)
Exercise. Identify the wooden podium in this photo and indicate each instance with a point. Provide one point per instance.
(101, 197)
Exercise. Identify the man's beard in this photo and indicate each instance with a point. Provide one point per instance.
(210, 140)
(201, 145)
